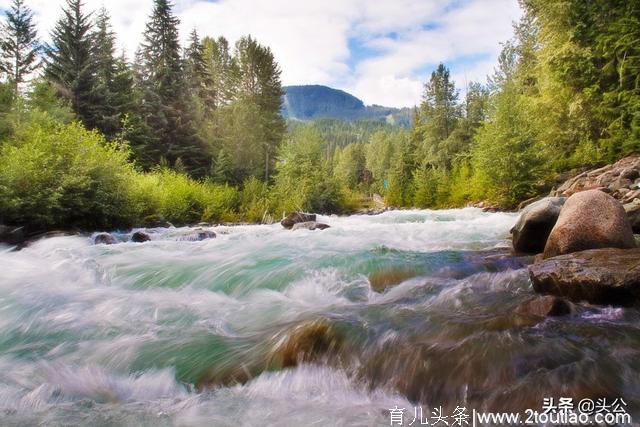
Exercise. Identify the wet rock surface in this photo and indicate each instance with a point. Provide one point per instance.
(140, 237)
(197, 236)
(310, 225)
(535, 224)
(104, 239)
(307, 342)
(599, 276)
(387, 278)
(297, 217)
(544, 306)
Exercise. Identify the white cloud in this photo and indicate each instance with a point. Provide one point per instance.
(311, 39)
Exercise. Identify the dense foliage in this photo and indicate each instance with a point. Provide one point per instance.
(192, 133)
(565, 94)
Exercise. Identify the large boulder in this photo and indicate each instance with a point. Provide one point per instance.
(309, 225)
(589, 220)
(535, 223)
(599, 276)
(297, 217)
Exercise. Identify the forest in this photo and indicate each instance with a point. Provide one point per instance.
(91, 139)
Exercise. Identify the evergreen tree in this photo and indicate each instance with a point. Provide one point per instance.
(165, 102)
(71, 64)
(438, 117)
(194, 66)
(398, 184)
(350, 165)
(107, 111)
(19, 43)
(221, 172)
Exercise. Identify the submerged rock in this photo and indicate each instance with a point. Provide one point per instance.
(305, 343)
(297, 217)
(104, 239)
(544, 306)
(599, 276)
(140, 237)
(589, 220)
(309, 225)
(197, 236)
(384, 279)
(535, 223)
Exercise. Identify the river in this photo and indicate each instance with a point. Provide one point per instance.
(179, 333)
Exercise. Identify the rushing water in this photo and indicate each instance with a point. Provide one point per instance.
(264, 326)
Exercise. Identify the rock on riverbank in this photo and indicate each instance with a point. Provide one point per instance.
(535, 224)
(599, 276)
(589, 219)
(621, 180)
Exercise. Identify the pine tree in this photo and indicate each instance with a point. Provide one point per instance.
(439, 114)
(107, 111)
(19, 44)
(70, 60)
(194, 65)
(221, 171)
(165, 100)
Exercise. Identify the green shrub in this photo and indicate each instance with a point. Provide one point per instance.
(56, 175)
(181, 200)
(254, 200)
(222, 203)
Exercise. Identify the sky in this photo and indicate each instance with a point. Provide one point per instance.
(382, 51)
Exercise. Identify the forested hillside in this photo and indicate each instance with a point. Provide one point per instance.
(91, 138)
(311, 102)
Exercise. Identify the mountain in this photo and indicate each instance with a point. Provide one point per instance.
(311, 102)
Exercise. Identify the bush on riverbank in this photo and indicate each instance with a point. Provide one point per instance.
(62, 176)
(54, 175)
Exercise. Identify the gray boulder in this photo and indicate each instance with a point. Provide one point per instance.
(535, 223)
(295, 218)
(589, 220)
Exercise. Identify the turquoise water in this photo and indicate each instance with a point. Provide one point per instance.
(196, 333)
